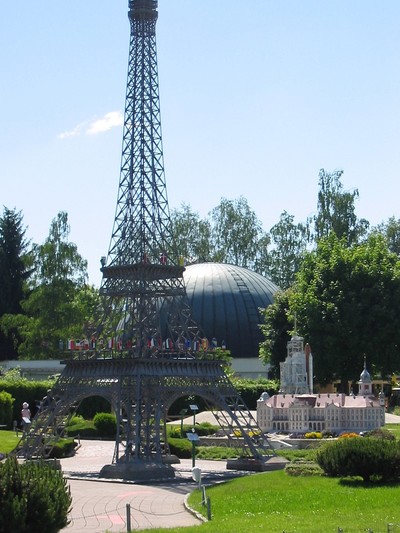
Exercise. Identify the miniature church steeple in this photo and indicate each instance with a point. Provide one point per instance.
(365, 382)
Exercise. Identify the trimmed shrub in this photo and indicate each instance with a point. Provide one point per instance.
(202, 430)
(182, 448)
(105, 424)
(62, 448)
(34, 497)
(303, 468)
(92, 405)
(6, 408)
(79, 426)
(372, 459)
(217, 453)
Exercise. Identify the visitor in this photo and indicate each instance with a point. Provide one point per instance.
(26, 417)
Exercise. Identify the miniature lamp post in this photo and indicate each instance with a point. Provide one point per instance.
(194, 408)
(193, 437)
(182, 413)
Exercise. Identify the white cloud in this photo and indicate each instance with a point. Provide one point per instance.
(110, 120)
(72, 133)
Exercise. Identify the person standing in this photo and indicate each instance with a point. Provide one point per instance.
(26, 416)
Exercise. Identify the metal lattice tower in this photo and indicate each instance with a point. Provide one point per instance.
(153, 359)
(142, 278)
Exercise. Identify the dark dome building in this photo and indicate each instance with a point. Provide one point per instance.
(225, 302)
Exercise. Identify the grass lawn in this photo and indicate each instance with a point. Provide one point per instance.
(8, 441)
(394, 428)
(274, 502)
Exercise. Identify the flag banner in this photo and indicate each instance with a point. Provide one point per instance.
(204, 344)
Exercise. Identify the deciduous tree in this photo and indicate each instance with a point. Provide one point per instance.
(288, 244)
(336, 210)
(347, 303)
(191, 235)
(236, 232)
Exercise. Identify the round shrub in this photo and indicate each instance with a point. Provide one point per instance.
(34, 497)
(105, 424)
(182, 448)
(370, 458)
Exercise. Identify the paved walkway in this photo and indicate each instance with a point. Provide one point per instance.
(100, 505)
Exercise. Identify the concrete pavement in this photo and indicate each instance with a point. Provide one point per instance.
(100, 505)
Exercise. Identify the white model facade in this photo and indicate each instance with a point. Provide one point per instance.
(297, 410)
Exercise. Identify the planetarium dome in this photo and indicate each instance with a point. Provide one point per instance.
(225, 302)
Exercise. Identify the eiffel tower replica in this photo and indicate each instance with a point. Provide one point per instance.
(148, 350)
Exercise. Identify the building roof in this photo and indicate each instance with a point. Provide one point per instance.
(322, 401)
(226, 301)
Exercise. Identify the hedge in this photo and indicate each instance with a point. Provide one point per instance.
(25, 391)
(370, 458)
(6, 408)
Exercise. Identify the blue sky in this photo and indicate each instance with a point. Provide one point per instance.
(256, 97)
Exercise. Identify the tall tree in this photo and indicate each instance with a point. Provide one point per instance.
(236, 232)
(347, 302)
(391, 231)
(289, 242)
(58, 304)
(14, 272)
(191, 235)
(276, 327)
(336, 210)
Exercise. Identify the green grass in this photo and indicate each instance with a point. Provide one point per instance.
(394, 428)
(82, 427)
(275, 502)
(8, 441)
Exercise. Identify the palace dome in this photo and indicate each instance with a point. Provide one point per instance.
(225, 302)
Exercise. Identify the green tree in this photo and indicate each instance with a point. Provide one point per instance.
(191, 235)
(60, 303)
(336, 210)
(236, 232)
(289, 242)
(347, 303)
(391, 231)
(275, 328)
(14, 272)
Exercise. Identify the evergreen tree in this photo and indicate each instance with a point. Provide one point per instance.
(60, 304)
(14, 271)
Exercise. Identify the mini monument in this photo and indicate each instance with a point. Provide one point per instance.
(147, 352)
(296, 409)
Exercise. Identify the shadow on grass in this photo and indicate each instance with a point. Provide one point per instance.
(358, 482)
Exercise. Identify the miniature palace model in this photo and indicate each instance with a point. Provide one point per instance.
(154, 357)
(297, 410)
